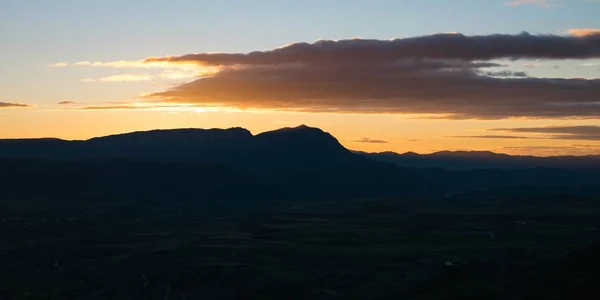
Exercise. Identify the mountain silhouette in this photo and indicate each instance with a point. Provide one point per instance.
(301, 147)
(287, 148)
(290, 162)
(473, 160)
(297, 161)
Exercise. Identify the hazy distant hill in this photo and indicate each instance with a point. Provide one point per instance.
(471, 160)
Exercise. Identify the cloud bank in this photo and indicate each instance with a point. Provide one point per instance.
(437, 46)
(449, 75)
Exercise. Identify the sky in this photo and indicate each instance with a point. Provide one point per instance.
(518, 77)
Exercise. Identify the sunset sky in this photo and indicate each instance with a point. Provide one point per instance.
(518, 77)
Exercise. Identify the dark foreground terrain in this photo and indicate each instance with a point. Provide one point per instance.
(288, 214)
(474, 246)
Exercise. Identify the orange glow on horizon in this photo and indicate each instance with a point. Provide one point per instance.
(400, 133)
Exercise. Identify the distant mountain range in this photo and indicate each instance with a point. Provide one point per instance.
(300, 147)
(474, 160)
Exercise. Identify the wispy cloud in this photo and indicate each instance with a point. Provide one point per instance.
(115, 107)
(121, 64)
(586, 132)
(170, 71)
(58, 65)
(586, 146)
(66, 103)
(126, 78)
(552, 150)
(142, 106)
(11, 105)
(489, 137)
(538, 147)
(192, 69)
(370, 141)
(542, 3)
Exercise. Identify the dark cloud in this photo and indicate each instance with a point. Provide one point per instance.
(370, 141)
(406, 87)
(589, 132)
(7, 105)
(66, 103)
(438, 46)
(505, 73)
(439, 74)
(489, 137)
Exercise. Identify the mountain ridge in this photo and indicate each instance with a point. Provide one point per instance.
(290, 148)
(472, 160)
(301, 160)
(241, 132)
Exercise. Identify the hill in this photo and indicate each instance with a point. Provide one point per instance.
(296, 162)
(472, 160)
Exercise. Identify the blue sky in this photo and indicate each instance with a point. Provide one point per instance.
(46, 31)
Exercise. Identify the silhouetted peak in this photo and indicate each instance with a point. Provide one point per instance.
(186, 136)
(301, 138)
(409, 153)
(467, 154)
(303, 129)
(392, 153)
